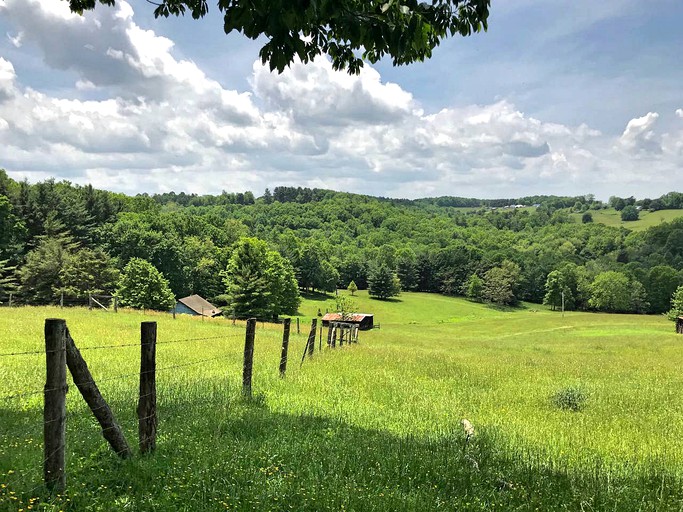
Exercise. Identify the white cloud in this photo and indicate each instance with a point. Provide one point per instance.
(639, 136)
(679, 112)
(160, 123)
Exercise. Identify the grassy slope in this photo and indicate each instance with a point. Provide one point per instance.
(611, 217)
(374, 426)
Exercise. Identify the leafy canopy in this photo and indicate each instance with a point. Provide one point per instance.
(405, 30)
(142, 286)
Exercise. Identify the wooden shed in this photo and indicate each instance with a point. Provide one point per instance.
(364, 321)
(197, 306)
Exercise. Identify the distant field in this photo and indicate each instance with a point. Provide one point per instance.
(611, 217)
(374, 426)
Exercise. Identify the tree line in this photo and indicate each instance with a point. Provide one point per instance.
(59, 237)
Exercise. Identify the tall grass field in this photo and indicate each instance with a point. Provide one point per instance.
(576, 412)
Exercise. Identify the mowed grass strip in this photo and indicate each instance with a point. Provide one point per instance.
(374, 426)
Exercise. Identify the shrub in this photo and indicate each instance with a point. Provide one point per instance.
(569, 399)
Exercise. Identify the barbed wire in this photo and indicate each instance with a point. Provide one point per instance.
(118, 345)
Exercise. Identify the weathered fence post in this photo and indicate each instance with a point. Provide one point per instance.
(248, 357)
(310, 342)
(116, 304)
(61, 300)
(329, 335)
(90, 302)
(320, 341)
(174, 308)
(311, 337)
(10, 299)
(285, 347)
(147, 403)
(297, 325)
(679, 325)
(92, 396)
(54, 411)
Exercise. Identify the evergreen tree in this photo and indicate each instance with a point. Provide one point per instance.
(260, 283)
(246, 279)
(383, 283)
(352, 288)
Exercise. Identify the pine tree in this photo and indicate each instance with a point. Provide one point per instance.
(383, 283)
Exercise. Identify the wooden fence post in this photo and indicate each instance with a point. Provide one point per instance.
(309, 348)
(285, 347)
(174, 308)
(679, 325)
(147, 403)
(61, 300)
(329, 335)
(54, 411)
(10, 299)
(297, 325)
(92, 396)
(248, 357)
(116, 304)
(311, 337)
(320, 341)
(90, 302)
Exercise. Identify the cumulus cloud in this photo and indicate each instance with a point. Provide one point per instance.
(139, 119)
(639, 136)
(679, 112)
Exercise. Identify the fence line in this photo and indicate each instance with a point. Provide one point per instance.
(147, 393)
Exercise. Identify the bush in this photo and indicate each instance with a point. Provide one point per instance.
(629, 213)
(569, 399)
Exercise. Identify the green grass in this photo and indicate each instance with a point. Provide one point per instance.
(611, 217)
(373, 426)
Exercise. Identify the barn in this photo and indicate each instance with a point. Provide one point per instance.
(197, 306)
(364, 321)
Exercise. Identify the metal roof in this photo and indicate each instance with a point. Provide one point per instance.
(200, 305)
(357, 317)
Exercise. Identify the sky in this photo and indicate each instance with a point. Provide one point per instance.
(564, 97)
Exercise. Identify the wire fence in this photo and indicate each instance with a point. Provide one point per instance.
(27, 480)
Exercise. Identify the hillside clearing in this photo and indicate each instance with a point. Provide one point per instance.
(374, 426)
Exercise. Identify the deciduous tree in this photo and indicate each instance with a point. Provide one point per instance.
(349, 31)
(142, 286)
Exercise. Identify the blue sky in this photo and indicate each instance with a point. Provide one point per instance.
(561, 97)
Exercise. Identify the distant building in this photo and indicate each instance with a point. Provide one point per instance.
(197, 306)
(364, 321)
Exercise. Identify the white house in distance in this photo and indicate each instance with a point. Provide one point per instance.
(197, 306)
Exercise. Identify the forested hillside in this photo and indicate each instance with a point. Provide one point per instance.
(58, 237)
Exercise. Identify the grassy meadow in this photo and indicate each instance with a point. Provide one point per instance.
(373, 426)
(646, 219)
